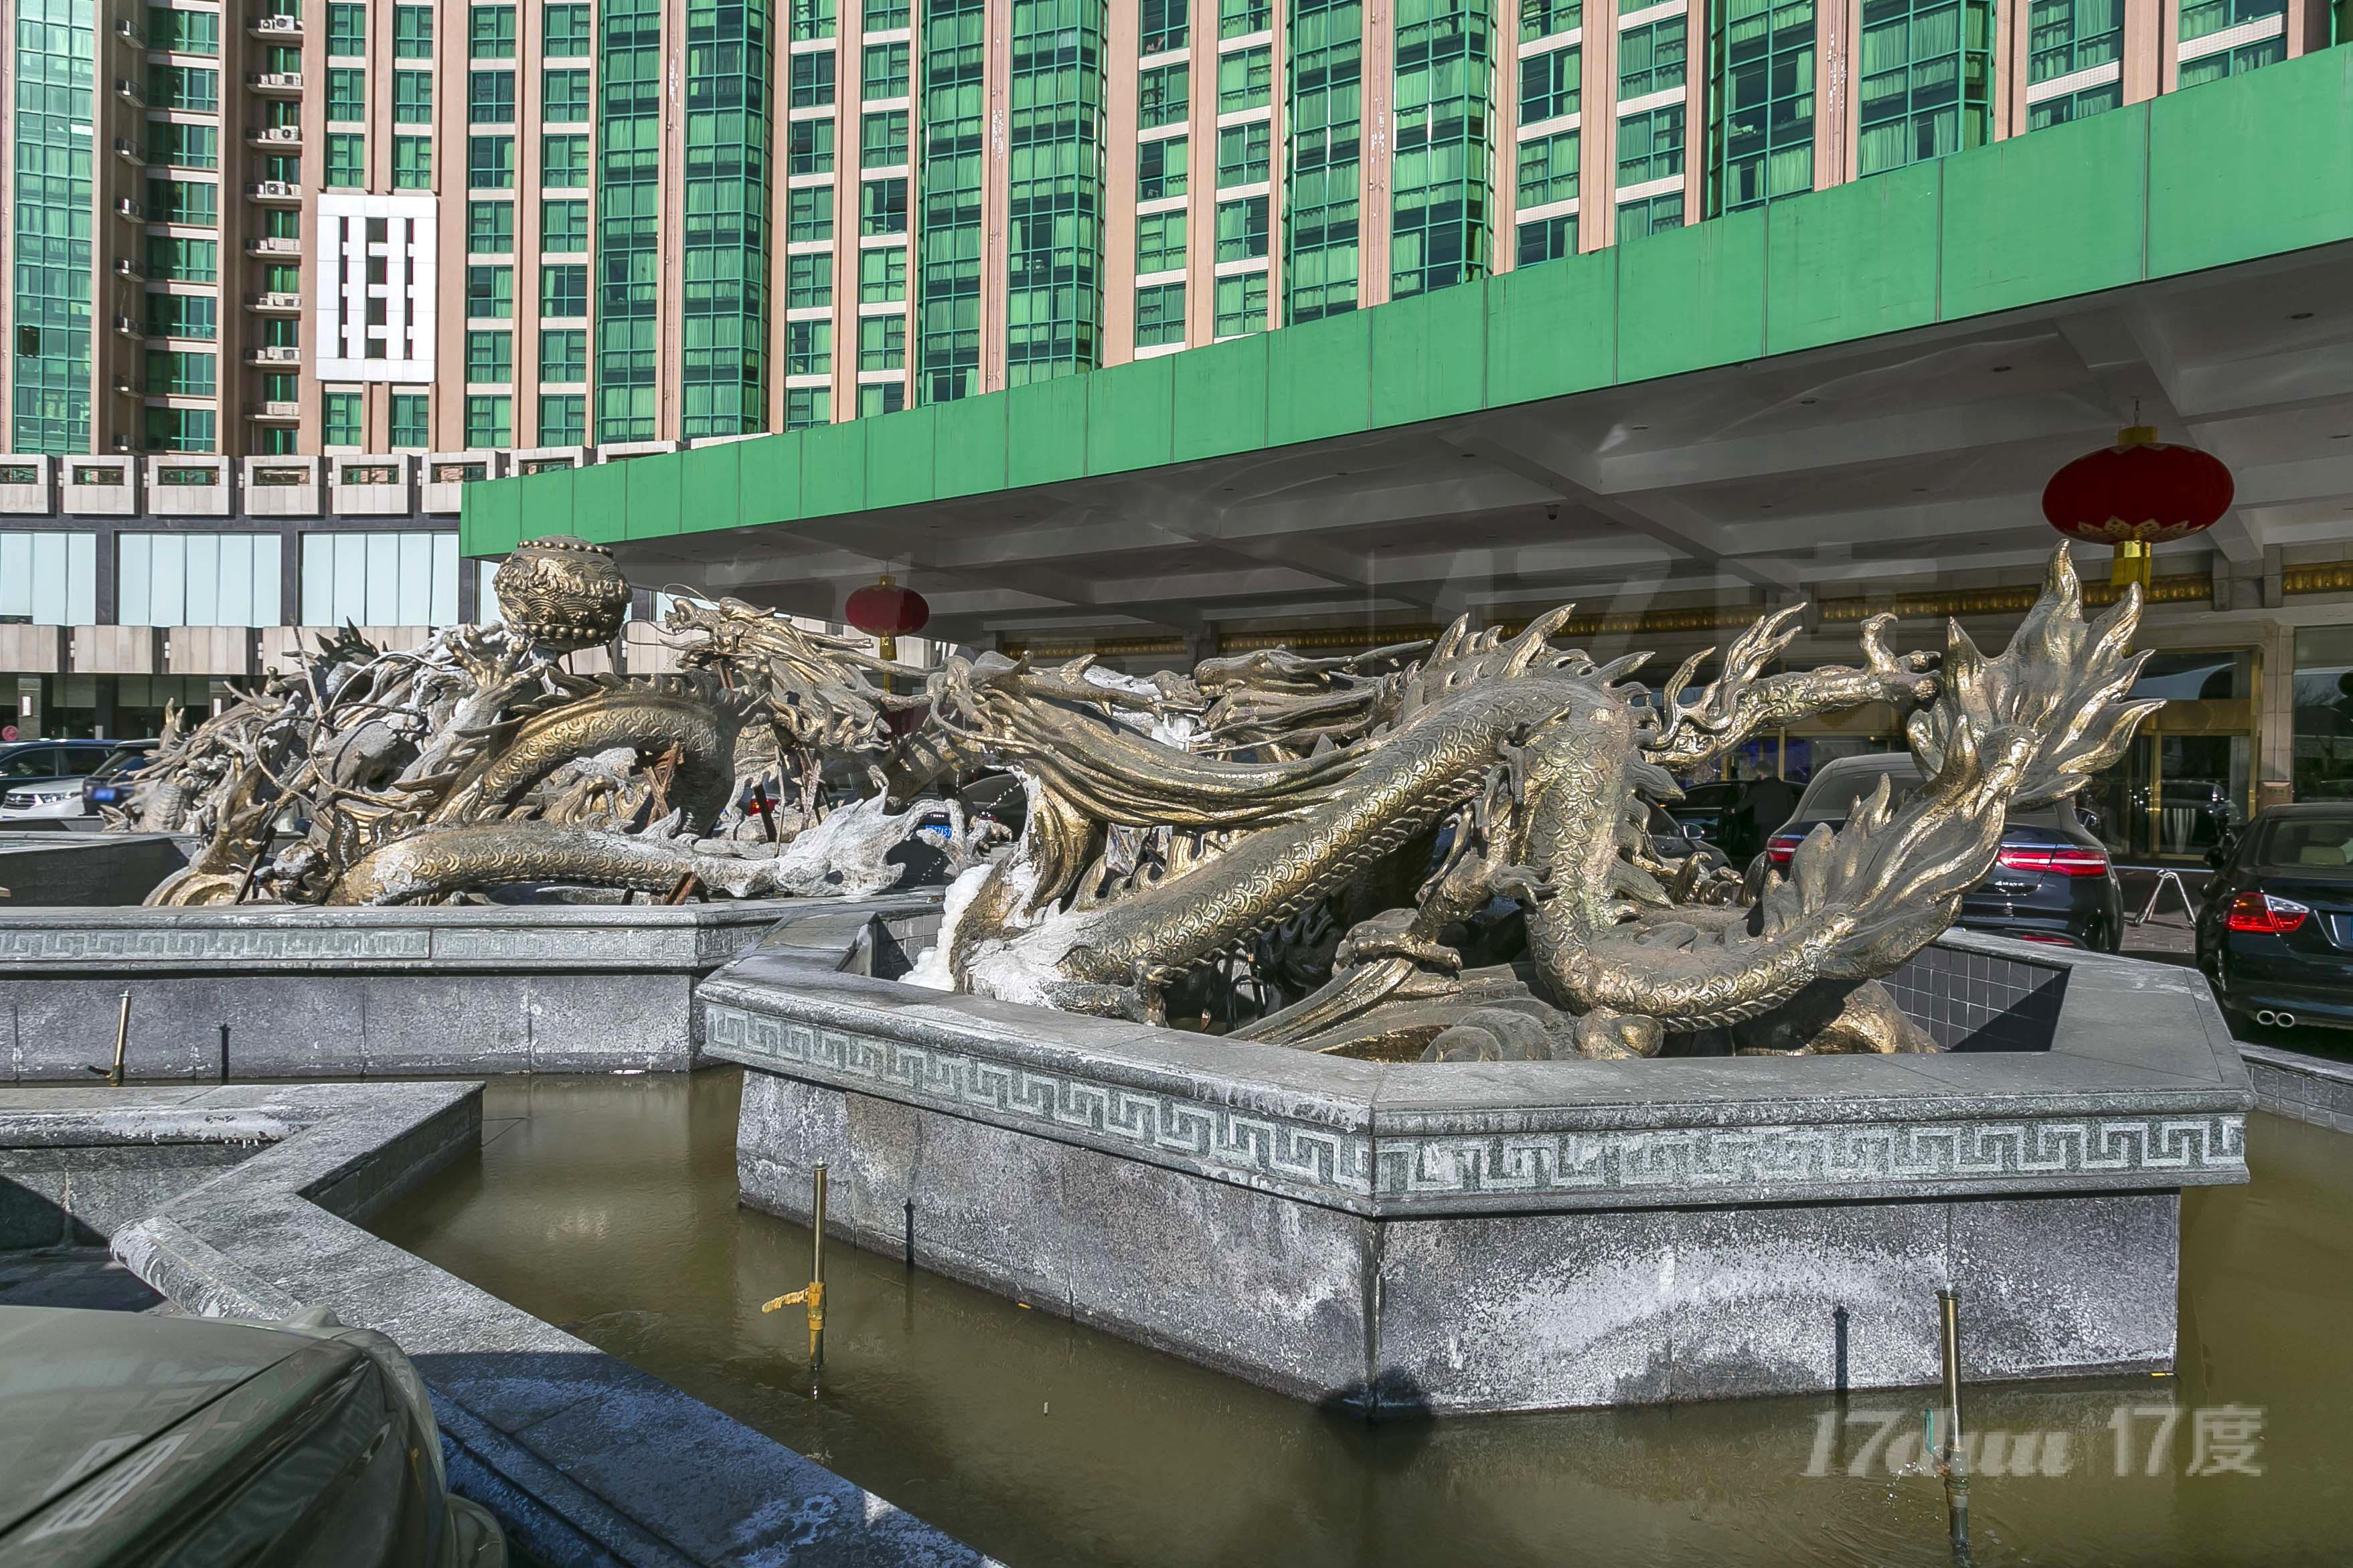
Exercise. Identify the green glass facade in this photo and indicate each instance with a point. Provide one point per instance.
(1761, 72)
(1441, 109)
(1053, 290)
(953, 136)
(629, 218)
(1926, 73)
(723, 252)
(52, 202)
(1323, 159)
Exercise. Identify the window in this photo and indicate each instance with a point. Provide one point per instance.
(346, 159)
(282, 332)
(881, 398)
(1160, 169)
(393, 579)
(50, 578)
(1244, 80)
(1924, 74)
(881, 276)
(1242, 229)
(563, 96)
(1651, 145)
(1163, 26)
(809, 214)
(882, 140)
(2082, 105)
(195, 202)
(188, 579)
(1160, 242)
(2222, 63)
(1650, 60)
(1242, 155)
(882, 343)
(563, 291)
(2068, 36)
(184, 146)
(1159, 315)
(564, 160)
(809, 281)
(493, 35)
(812, 80)
(412, 32)
(1762, 144)
(184, 32)
(564, 419)
(809, 147)
(339, 421)
(1550, 84)
(1548, 240)
(491, 98)
(412, 97)
(346, 29)
(1656, 216)
(808, 405)
(490, 228)
(808, 348)
(886, 71)
(1162, 95)
(281, 223)
(490, 420)
(412, 162)
(194, 88)
(183, 316)
(1241, 304)
(812, 20)
(490, 163)
(1239, 18)
(283, 166)
(1543, 18)
(2200, 18)
(565, 28)
(489, 293)
(882, 206)
(882, 16)
(564, 354)
(563, 227)
(280, 387)
(179, 373)
(281, 278)
(1549, 169)
(411, 422)
(173, 260)
(490, 357)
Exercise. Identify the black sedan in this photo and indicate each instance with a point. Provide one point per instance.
(2051, 881)
(2275, 936)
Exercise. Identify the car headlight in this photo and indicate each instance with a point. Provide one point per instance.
(17, 799)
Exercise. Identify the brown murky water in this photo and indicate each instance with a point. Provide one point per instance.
(609, 1205)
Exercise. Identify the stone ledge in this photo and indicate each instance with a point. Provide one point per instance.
(2301, 1088)
(586, 1459)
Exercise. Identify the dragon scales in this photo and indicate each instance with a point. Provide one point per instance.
(1494, 772)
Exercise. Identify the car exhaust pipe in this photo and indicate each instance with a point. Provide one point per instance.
(2285, 1020)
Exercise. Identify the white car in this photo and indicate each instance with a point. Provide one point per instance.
(40, 781)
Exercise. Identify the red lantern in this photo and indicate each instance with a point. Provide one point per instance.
(2139, 492)
(884, 611)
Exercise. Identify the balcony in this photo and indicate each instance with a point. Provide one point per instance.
(282, 411)
(274, 26)
(129, 152)
(286, 82)
(273, 244)
(276, 191)
(126, 207)
(126, 267)
(276, 301)
(128, 30)
(128, 326)
(130, 92)
(273, 135)
(276, 356)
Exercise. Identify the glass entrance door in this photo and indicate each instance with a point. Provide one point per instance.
(2186, 775)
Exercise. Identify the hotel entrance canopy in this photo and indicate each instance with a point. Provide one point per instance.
(1846, 396)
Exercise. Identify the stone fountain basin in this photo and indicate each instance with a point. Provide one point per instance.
(1516, 1235)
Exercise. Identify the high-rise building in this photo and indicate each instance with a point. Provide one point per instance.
(371, 225)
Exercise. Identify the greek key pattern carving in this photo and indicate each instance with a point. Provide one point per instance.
(127, 945)
(1760, 1159)
(1239, 1141)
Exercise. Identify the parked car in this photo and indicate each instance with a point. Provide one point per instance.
(110, 783)
(131, 1441)
(41, 780)
(2275, 935)
(1712, 813)
(2051, 881)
